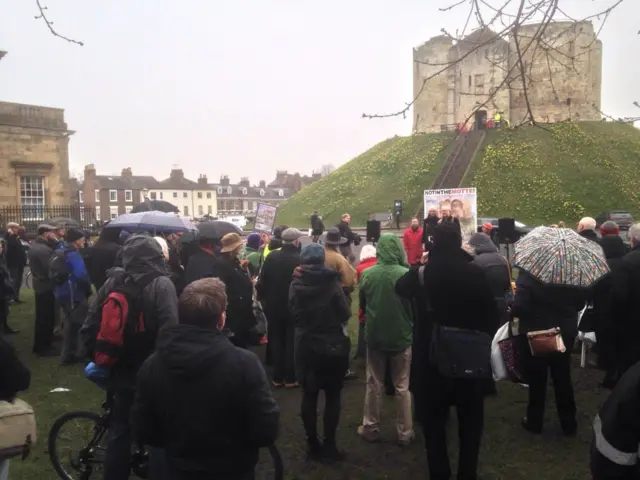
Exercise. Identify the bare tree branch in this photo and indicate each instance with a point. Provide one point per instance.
(49, 24)
(553, 48)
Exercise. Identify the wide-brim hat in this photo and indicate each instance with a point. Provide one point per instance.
(333, 237)
(230, 242)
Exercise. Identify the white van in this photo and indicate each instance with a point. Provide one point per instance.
(237, 220)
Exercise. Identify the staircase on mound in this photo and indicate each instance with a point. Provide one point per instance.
(457, 164)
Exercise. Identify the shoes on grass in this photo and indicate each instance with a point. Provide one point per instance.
(368, 435)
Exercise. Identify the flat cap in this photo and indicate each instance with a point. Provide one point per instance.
(291, 235)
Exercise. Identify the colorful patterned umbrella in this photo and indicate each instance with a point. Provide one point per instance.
(559, 256)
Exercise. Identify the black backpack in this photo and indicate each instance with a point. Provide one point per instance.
(125, 336)
(58, 268)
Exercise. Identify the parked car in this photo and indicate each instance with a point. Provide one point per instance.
(622, 217)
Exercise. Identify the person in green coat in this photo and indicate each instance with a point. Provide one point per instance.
(389, 335)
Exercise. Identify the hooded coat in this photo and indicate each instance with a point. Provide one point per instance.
(320, 311)
(362, 266)
(207, 403)
(140, 256)
(496, 269)
(389, 326)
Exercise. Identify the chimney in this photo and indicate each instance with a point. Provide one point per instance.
(126, 173)
(202, 180)
(176, 174)
(90, 185)
(262, 184)
(244, 181)
(224, 180)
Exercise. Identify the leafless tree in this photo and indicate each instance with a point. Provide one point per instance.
(506, 19)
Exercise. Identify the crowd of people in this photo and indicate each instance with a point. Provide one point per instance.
(181, 378)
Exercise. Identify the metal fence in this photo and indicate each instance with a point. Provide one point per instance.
(30, 216)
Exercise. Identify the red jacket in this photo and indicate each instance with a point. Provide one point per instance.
(364, 264)
(412, 242)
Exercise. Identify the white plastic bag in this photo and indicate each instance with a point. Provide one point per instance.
(497, 362)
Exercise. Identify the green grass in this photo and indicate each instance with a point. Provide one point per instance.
(508, 453)
(539, 176)
(397, 168)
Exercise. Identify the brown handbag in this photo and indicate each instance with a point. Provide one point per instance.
(546, 342)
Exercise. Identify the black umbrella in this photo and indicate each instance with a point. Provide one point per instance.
(217, 229)
(65, 221)
(155, 205)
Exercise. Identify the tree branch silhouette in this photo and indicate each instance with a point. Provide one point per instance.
(42, 16)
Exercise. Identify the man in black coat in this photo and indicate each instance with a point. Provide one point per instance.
(15, 256)
(204, 401)
(352, 238)
(453, 292)
(625, 304)
(273, 288)
(103, 256)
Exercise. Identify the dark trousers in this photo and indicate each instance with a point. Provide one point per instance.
(559, 366)
(118, 457)
(466, 396)
(281, 340)
(74, 317)
(45, 319)
(16, 275)
(331, 416)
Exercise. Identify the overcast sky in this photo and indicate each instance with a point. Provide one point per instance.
(244, 87)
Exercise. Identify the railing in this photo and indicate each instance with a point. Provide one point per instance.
(30, 216)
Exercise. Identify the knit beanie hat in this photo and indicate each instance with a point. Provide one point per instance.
(312, 254)
(253, 241)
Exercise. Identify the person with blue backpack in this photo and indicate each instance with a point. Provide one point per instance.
(71, 288)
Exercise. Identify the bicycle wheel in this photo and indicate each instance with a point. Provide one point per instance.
(85, 455)
(28, 280)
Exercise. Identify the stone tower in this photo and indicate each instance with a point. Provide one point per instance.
(453, 81)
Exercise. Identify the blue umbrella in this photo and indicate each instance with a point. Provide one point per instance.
(156, 221)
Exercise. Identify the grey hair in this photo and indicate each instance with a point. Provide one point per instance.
(634, 233)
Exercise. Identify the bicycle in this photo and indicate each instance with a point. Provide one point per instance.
(28, 280)
(90, 457)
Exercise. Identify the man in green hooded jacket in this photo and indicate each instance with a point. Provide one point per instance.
(389, 335)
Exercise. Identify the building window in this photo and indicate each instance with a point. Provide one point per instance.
(186, 211)
(220, 205)
(244, 191)
(261, 192)
(220, 190)
(469, 81)
(209, 195)
(229, 190)
(152, 195)
(175, 194)
(200, 210)
(281, 193)
(161, 196)
(98, 214)
(128, 196)
(113, 212)
(255, 205)
(128, 209)
(113, 195)
(32, 191)
(185, 194)
(199, 194)
(81, 196)
(209, 209)
(97, 196)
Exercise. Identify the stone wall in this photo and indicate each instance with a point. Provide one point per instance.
(33, 142)
(563, 74)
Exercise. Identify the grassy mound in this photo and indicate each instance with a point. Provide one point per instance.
(540, 176)
(397, 168)
(536, 175)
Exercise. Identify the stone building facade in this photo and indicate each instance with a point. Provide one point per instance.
(457, 83)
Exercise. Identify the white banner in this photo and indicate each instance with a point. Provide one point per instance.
(460, 203)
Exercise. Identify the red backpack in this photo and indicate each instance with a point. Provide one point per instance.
(125, 336)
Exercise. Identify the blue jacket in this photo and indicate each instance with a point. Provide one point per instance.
(78, 287)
